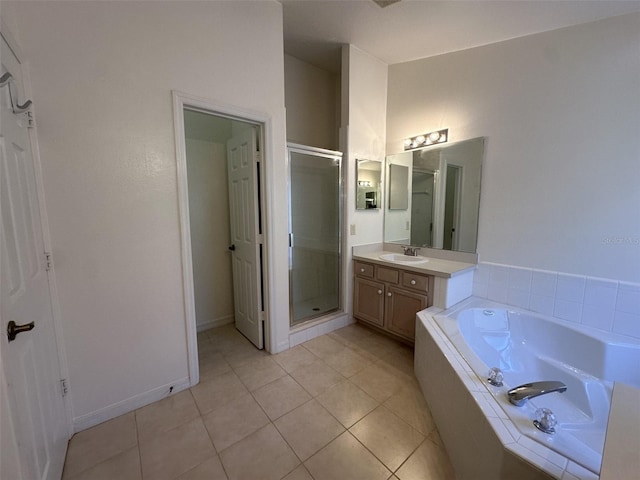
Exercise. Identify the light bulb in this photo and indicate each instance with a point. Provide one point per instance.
(434, 136)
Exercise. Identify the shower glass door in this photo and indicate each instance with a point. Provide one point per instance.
(315, 225)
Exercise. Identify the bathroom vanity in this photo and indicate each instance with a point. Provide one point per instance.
(390, 288)
(389, 297)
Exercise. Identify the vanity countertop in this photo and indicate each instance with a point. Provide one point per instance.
(435, 266)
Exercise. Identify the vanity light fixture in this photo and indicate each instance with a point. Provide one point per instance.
(426, 139)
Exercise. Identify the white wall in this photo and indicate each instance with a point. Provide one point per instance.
(363, 134)
(102, 75)
(364, 87)
(310, 99)
(560, 111)
(210, 232)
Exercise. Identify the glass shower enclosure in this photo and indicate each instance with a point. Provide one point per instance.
(315, 226)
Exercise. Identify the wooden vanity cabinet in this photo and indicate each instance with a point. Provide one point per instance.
(389, 298)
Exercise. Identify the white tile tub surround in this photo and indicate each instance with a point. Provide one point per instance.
(480, 439)
(601, 303)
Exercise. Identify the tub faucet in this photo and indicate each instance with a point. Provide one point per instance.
(411, 251)
(519, 395)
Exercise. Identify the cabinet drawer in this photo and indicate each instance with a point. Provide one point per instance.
(415, 281)
(389, 275)
(363, 269)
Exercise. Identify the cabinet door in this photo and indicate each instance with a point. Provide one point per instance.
(368, 301)
(401, 309)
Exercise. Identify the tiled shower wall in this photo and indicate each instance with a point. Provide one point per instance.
(601, 303)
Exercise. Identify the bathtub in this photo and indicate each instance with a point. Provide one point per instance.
(477, 334)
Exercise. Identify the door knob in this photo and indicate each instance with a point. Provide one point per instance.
(232, 247)
(13, 330)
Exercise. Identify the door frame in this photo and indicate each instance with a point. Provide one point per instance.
(181, 101)
(56, 311)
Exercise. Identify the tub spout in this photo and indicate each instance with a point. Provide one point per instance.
(519, 395)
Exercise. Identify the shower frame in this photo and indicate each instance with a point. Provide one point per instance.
(324, 153)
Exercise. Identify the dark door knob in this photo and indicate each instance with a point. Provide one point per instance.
(232, 247)
(13, 330)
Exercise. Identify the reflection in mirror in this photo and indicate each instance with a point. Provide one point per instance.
(398, 187)
(368, 174)
(444, 199)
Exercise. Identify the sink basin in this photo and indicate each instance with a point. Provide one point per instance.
(405, 259)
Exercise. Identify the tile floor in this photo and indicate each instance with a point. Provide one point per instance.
(341, 406)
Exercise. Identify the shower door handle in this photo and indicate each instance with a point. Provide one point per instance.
(291, 240)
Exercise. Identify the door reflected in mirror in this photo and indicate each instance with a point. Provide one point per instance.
(368, 184)
(444, 197)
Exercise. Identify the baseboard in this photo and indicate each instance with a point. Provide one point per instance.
(128, 405)
(218, 322)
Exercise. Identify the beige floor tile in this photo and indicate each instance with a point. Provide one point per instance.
(243, 353)
(401, 360)
(259, 372)
(208, 470)
(281, 396)
(308, 428)
(317, 377)
(299, 473)
(346, 459)
(347, 402)
(428, 462)
(323, 346)
(124, 466)
(175, 452)
(347, 362)
(262, 455)
(234, 421)
(166, 414)
(226, 345)
(99, 443)
(388, 437)
(296, 357)
(409, 404)
(378, 345)
(217, 392)
(353, 332)
(212, 365)
(377, 382)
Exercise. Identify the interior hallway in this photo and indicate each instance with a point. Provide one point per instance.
(344, 405)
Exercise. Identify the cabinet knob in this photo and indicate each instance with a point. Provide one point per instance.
(379, 292)
(412, 282)
(362, 270)
(389, 294)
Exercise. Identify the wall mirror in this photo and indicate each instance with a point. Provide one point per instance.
(368, 184)
(443, 185)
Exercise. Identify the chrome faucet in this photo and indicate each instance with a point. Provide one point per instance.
(410, 251)
(519, 395)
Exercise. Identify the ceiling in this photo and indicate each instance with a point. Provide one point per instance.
(407, 30)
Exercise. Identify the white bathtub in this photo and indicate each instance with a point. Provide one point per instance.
(528, 347)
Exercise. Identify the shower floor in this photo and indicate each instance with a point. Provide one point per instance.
(314, 307)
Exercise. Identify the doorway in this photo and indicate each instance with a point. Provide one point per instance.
(221, 189)
(452, 207)
(422, 206)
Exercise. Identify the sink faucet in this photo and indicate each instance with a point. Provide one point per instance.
(410, 251)
(519, 395)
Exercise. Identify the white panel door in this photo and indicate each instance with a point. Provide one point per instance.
(32, 411)
(242, 169)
